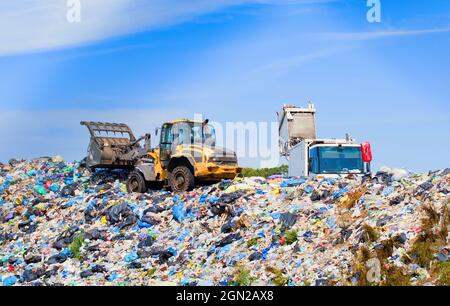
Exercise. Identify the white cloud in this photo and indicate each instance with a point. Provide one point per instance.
(33, 25)
(378, 34)
(295, 61)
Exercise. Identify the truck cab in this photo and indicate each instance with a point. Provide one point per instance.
(310, 156)
(336, 159)
(328, 158)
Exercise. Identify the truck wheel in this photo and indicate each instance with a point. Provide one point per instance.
(181, 179)
(136, 182)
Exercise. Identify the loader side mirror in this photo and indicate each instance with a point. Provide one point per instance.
(156, 131)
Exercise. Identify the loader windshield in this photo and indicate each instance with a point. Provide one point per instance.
(337, 160)
(194, 133)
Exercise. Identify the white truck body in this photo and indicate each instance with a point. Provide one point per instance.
(309, 156)
(298, 160)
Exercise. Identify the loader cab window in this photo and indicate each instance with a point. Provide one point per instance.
(166, 141)
(166, 134)
(196, 134)
(209, 135)
(204, 134)
(179, 135)
(182, 133)
(193, 133)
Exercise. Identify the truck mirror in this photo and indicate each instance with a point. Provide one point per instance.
(156, 131)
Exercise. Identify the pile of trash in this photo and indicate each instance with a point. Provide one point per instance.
(61, 224)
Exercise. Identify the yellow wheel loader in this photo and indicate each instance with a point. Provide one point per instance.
(187, 153)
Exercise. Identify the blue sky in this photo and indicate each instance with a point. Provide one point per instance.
(146, 61)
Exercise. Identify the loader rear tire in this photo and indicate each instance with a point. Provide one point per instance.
(181, 179)
(136, 182)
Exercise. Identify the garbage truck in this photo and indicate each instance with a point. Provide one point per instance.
(309, 156)
(186, 154)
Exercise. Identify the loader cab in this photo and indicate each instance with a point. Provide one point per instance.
(184, 133)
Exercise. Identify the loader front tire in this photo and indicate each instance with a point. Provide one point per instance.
(181, 179)
(136, 182)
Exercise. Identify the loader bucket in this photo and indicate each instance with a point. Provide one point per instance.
(108, 145)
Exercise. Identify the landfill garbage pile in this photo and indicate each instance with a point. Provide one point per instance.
(60, 224)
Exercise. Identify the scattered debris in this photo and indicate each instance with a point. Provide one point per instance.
(62, 224)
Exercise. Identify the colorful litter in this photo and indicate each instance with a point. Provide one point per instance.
(60, 224)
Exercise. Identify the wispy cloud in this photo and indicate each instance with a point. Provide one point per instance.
(33, 25)
(377, 34)
(111, 50)
(285, 64)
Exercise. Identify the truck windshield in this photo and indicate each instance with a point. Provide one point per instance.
(335, 160)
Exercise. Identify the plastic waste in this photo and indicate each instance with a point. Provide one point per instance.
(63, 224)
(179, 212)
(9, 281)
